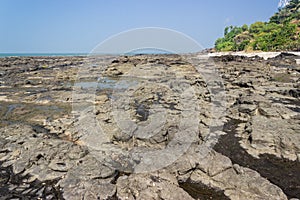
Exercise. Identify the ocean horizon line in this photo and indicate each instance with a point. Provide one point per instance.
(40, 54)
(33, 54)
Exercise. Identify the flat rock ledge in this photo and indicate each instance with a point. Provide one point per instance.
(220, 127)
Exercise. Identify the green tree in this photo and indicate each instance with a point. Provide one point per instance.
(280, 33)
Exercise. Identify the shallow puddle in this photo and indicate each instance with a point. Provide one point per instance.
(30, 113)
(106, 83)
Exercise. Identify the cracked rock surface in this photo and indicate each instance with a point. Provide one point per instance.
(150, 127)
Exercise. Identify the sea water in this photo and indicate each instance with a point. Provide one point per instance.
(40, 54)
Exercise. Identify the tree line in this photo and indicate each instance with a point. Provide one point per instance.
(280, 33)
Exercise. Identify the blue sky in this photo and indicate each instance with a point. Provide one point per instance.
(70, 26)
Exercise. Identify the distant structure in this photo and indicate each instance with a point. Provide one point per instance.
(283, 3)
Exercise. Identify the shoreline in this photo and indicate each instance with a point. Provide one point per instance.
(265, 55)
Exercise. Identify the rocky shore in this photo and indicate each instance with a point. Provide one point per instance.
(150, 127)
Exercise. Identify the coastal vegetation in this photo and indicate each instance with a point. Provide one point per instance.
(280, 33)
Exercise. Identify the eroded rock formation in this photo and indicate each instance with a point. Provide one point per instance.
(150, 127)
